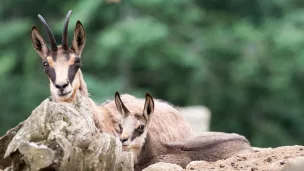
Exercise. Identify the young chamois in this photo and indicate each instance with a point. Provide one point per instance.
(137, 138)
(62, 65)
(167, 124)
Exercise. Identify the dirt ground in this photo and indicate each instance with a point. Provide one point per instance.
(269, 159)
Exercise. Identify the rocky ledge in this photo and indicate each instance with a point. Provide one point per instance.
(285, 158)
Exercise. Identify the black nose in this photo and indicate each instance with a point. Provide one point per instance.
(123, 139)
(61, 86)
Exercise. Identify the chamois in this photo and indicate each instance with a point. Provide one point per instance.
(167, 124)
(147, 149)
(62, 65)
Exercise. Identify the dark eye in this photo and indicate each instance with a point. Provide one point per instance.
(45, 64)
(77, 60)
(140, 128)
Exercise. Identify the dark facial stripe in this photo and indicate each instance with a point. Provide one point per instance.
(135, 134)
(50, 71)
(72, 71)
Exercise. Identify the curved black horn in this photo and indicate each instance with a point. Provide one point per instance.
(49, 33)
(65, 31)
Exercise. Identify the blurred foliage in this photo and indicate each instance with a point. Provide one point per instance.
(244, 59)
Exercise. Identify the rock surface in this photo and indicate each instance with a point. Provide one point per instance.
(273, 159)
(163, 166)
(286, 158)
(62, 136)
(294, 164)
(4, 141)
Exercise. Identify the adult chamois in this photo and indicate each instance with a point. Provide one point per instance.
(136, 136)
(62, 65)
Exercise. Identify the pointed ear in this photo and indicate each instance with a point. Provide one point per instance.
(149, 106)
(38, 43)
(79, 38)
(120, 105)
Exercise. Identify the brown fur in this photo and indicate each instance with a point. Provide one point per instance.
(210, 147)
(166, 125)
(107, 121)
(148, 148)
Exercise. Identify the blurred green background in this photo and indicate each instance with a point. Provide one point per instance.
(244, 59)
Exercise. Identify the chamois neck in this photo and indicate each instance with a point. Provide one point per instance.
(83, 86)
(150, 149)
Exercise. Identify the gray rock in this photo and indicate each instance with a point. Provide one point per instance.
(63, 136)
(161, 166)
(294, 164)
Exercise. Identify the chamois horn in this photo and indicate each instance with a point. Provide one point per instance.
(65, 45)
(49, 33)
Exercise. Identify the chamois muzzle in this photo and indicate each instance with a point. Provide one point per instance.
(61, 86)
(123, 140)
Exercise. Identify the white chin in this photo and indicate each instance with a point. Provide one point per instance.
(63, 96)
(68, 94)
(126, 147)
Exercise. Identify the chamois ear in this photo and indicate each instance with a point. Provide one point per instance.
(120, 105)
(79, 38)
(149, 106)
(39, 44)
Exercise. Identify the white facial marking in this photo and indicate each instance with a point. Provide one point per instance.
(61, 67)
(129, 125)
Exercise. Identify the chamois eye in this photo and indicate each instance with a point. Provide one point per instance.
(140, 128)
(77, 60)
(45, 64)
